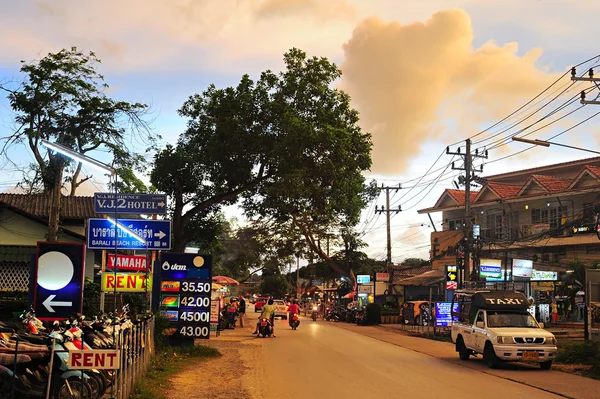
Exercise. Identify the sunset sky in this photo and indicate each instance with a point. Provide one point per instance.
(423, 74)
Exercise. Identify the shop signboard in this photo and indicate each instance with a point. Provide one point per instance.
(490, 268)
(125, 282)
(443, 315)
(539, 275)
(383, 277)
(522, 268)
(363, 279)
(128, 263)
(185, 293)
(505, 273)
(451, 277)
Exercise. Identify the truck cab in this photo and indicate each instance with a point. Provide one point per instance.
(498, 325)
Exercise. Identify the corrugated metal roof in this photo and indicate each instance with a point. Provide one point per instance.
(431, 277)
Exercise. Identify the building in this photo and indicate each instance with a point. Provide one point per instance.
(24, 222)
(530, 224)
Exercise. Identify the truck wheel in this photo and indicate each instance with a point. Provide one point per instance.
(489, 356)
(546, 365)
(463, 352)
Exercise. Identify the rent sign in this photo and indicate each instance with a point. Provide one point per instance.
(94, 359)
(128, 263)
(126, 282)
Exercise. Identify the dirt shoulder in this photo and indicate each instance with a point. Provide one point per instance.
(230, 376)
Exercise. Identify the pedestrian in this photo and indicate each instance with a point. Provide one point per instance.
(242, 310)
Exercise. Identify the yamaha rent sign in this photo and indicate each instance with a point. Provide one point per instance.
(184, 293)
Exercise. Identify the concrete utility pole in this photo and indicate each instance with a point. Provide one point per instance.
(468, 219)
(387, 211)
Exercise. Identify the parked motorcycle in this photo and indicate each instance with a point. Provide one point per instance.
(294, 321)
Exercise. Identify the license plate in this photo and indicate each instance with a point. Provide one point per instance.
(531, 356)
(264, 323)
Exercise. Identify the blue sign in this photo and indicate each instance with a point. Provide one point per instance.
(443, 315)
(148, 204)
(157, 233)
(363, 279)
(185, 293)
(58, 289)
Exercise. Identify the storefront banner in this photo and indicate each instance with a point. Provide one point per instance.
(538, 275)
(522, 268)
(490, 268)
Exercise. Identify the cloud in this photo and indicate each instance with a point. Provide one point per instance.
(330, 9)
(424, 81)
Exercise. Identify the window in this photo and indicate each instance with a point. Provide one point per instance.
(456, 224)
(500, 225)
(551, 216)
(589, 214)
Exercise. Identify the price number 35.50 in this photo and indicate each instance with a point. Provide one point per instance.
(193, 286)
(194, 331)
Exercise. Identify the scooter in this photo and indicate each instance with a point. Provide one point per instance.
(294, 321)
(315, 313)
(265, 328)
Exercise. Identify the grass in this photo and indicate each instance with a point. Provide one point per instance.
(581, 353)
(166, 362)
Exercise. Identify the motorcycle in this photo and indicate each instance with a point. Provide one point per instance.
(315, 313)
(295, 321)
(265, 329)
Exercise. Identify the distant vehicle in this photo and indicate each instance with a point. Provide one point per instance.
(417, 313)
(498, 325)
(260, 302)
(281, 309)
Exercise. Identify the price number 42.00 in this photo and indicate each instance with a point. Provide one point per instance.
(193, 286)
(194, 331)
(195, 301)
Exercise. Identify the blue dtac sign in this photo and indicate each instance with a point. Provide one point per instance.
(155, 233)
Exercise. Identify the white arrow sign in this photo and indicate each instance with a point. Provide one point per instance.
(161, 204)
(48, 303)
(160, 235)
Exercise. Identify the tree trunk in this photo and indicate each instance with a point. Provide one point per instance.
(54, 208)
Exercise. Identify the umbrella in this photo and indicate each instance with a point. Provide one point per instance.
(224, 280)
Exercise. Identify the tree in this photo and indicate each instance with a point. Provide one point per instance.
(62, 99)
(415, 262)
(284, 145)
(275, 285)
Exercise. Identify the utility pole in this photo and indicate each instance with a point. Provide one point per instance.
(468, 219)
(387, 211)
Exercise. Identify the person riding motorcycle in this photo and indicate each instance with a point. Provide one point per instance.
(268, 312)
(293, 309)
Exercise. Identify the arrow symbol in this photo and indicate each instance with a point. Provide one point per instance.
(160, 235)
(48, 303)
(161, 204)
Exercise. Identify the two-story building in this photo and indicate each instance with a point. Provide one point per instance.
(530, 225)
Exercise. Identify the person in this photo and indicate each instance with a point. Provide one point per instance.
(242, 310)
(293, 309)
(268, 312)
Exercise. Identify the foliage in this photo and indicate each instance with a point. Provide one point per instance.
(136, 303)
(164, 364)
(581, 353)
(288, 146)
(415, 262)
(91, 292)
(161, 323)
(373, 314)
(62, 99)
(276, 285)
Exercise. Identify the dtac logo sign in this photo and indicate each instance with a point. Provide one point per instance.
(166, 266)
(507, 301)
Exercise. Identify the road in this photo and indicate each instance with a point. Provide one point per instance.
(323, 359)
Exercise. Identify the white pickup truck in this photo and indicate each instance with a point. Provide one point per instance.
(498, 325)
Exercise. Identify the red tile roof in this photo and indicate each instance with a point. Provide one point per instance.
(403, 272)
(504, 190)
(595, 170)
(37, 205)
(459, 195)
(552, 183)
(540, 168)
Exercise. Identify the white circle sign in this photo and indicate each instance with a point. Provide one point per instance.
(55, 270)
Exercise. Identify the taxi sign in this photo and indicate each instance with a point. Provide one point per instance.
(126, 282)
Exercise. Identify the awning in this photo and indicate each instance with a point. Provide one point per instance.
(432, 277)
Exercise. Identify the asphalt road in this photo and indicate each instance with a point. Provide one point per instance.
(325, 361)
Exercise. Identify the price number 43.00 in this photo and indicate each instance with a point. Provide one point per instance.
(194, 331)
(193, 286)
(195, 316)
(195, 301)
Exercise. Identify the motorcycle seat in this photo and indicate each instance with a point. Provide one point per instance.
(7, 359)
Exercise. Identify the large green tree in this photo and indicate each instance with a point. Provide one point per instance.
(62, 98)
(287, 147)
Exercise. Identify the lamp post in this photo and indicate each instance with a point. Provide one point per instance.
(545, 143)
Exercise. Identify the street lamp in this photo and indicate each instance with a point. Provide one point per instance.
(545, 143)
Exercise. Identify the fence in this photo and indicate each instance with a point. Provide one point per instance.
(135, 344)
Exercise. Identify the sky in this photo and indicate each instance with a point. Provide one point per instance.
(423, 75)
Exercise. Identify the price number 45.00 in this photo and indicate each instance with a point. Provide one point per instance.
(195, 301)
(194, 331)
(193, 286)
(195, 316)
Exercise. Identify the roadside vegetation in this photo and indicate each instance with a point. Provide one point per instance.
(167, 361)
(586, 355)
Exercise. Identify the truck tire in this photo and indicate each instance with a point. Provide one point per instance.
(463, 352)
(489, 356)
(546, 365)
